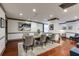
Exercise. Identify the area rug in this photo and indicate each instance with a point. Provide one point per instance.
(36, 50)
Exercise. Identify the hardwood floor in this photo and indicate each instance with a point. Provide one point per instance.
(12, 48)
(62, 50)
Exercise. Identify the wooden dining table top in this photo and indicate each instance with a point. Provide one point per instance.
(37, 36)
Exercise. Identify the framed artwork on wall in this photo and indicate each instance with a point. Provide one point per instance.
(69, 27)
(24, 26)
(64, 28)
(51, 27)
(2, 22)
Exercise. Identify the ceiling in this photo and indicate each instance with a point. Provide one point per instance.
(43, 10)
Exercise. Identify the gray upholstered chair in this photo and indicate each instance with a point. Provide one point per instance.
(43, 39)
(28, 42)
(52, 38)
(25, 34)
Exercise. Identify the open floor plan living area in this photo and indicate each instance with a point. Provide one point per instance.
(39, 29)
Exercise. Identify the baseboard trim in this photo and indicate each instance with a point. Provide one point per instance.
(14, 40)
(6, 44)
(3, 51)
(4, 47)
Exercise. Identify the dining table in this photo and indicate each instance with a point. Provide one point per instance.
(37, 37)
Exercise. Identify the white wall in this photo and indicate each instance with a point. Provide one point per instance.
(40, 26)
(46, 27)
(2, 33)
(56, 26)
(36, 26)
(13, 28)
(75, 28)
(33, 27)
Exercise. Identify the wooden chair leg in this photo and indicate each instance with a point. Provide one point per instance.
(45, 43)
(52, 42)
(26, 49)
(41, 44)
(32, 47)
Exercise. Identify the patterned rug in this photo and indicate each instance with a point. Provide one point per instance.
(36, 50)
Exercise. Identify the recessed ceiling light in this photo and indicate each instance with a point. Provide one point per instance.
(75, 17)
(50, 15)
(65, 10)
(20, 14)
(34, 10)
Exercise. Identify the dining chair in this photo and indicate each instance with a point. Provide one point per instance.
(37, 39)
(28, 42)
(25, 34)
(52, 38)
(57, 38)
(43, 39)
